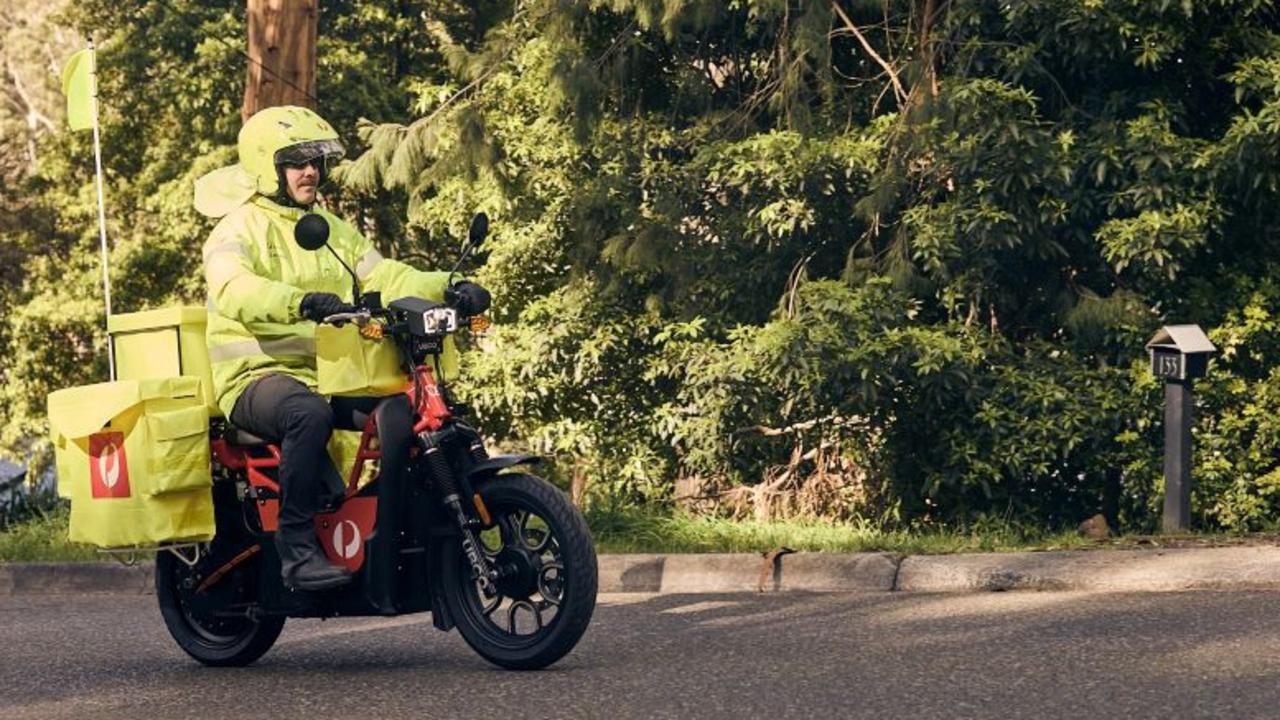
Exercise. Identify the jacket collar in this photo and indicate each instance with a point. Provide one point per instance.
(290, 213)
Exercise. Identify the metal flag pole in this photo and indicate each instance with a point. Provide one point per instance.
(102, 211)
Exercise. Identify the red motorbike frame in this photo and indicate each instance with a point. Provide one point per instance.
(344, 532)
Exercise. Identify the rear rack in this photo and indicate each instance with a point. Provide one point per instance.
(129, 556)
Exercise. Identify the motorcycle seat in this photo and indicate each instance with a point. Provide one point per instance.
(244, 438)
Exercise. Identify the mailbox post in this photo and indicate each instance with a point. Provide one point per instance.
(1179, 354)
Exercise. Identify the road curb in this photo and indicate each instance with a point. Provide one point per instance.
(1253, 567)
(1149, 570)
(75, 578)
(739, 572)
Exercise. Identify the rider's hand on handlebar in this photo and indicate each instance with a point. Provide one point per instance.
(319, 305)
(468, 297)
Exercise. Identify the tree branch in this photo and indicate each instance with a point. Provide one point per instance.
(34, 116)
(799, 427)
(898, 91)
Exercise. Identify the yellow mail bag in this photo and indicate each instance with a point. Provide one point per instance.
(133, 457)
(350, 365)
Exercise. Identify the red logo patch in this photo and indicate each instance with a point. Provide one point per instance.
(108, 469)
(345, 532)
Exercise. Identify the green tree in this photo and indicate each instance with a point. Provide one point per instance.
(171, 79)
(1040, 184)
(892, 260)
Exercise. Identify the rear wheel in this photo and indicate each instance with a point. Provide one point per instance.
(213, 620)
(541, 605)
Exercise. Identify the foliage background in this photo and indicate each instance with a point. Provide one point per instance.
(889, 260)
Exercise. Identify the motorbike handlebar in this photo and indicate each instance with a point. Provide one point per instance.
(418, 317)
(359, 317)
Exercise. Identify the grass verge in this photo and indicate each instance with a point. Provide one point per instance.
(646, 531)
(640, 531)
(43, 537)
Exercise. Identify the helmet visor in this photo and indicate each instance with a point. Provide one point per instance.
(306, 152)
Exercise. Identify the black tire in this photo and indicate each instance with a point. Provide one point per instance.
(212, 640)
(563, 532)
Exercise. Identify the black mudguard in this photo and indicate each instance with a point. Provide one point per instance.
(490, 466)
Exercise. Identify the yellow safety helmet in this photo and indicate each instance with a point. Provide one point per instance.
(284, 135)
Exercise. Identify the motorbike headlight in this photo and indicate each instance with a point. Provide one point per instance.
(439, 320)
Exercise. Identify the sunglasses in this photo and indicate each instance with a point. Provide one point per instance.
(316, 162)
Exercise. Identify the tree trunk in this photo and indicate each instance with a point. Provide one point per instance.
(925, 86)
(282, 48)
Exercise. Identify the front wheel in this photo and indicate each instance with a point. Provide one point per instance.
(546, 593)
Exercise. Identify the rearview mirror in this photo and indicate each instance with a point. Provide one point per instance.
(479, 229)
(311, 232)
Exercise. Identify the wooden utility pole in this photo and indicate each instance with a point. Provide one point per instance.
(282, 38)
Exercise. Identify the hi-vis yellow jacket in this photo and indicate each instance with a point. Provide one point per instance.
(257, 276)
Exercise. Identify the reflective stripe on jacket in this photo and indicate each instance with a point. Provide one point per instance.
(257, 276)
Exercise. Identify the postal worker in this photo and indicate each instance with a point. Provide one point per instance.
(266, 295)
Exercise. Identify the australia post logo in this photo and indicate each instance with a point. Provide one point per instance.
(108, 470)
(346, 539)
(345, 532)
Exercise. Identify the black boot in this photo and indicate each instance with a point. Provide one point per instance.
(303, 565)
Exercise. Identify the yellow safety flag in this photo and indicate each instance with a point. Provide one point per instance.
(78, 84)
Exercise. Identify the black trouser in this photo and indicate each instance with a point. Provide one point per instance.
(283, 410)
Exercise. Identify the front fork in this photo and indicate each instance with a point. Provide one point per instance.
(452, 490)
(481, 571)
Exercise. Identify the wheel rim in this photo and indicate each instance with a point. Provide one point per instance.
(524, 605)
(212, 628)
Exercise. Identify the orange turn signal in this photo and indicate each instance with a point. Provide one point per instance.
(482, 510)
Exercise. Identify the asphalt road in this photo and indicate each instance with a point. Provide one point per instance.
(1031, 655)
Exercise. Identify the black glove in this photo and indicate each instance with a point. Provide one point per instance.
(468, 297)
(319, 305)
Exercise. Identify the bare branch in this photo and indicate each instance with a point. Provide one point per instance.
(617, 43)
(34, 116)
(899, 92)
(14, 102)
(834, 420)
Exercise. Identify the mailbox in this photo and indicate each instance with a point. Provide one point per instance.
(1180, 352)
